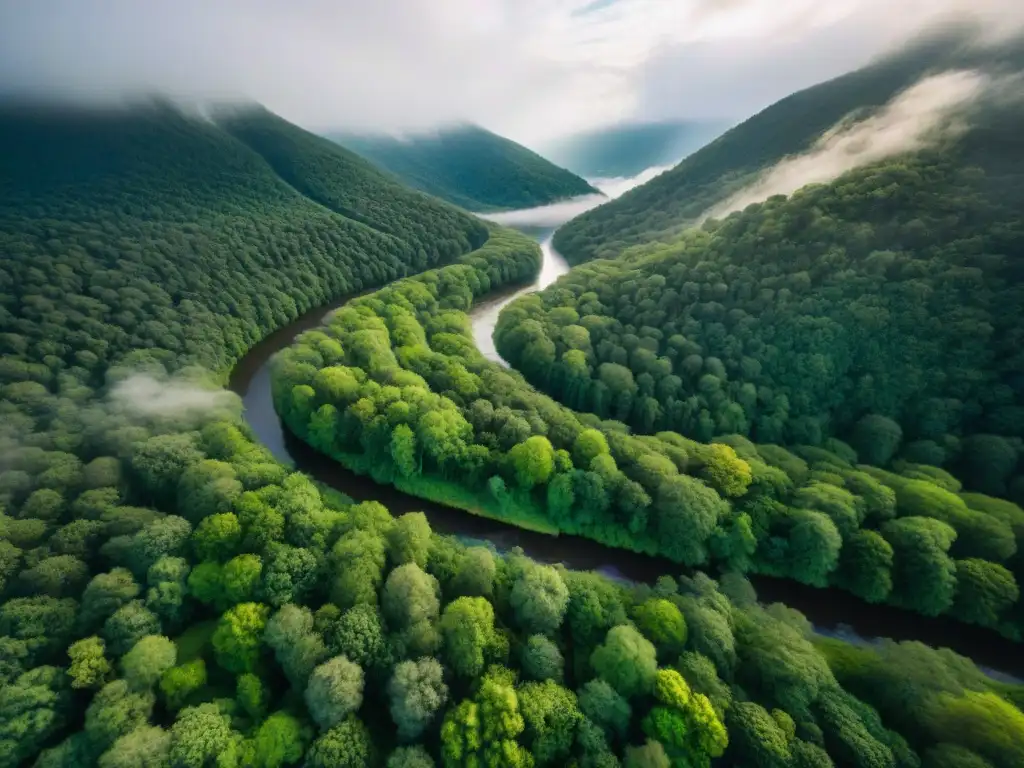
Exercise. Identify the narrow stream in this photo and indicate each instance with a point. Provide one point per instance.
(832, 612)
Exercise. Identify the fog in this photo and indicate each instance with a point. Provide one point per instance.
(557, 214)
(528, 69)
(933, 109)
(143, 395)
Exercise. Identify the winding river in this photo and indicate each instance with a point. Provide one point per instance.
(832, 612)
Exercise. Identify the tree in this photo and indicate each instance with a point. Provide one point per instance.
(346, 745)
(684, 722)
(756, 738)
(876, 438)
(410, 757)
(814, 546)
(359, 635)
(482, 731)
(116, 710)
(985, 592)
(687, 512)
(467, 627)
(533, 461)
(417, 692)
(539, 598)
(551, 715)
(280, 740)
(129, 624)
(603, 705)
(240, 578)
(661, 622)
(589, 444)
(145, 747)
(409, 540)
(475, 574)
(335, 690)
(541, 659)
(924, 576)
(297, 647)
(89, 667)
(201, 736)
(178, 683)
(236, 641)
(409, 597)
(217, 537)
(650, 755)
(251, 695)
(148, 660)
(865, 566)
(104, 594)
(626, 660)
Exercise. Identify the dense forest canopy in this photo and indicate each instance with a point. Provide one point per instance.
(470, 166)
(147, 228)
(679, 197)
(626, 149)
(173, 597)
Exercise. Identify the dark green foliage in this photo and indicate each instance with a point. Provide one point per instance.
(469, 166)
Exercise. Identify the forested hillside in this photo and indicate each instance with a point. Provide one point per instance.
(679, 197)
(471, 167)
(172, 597)
(149, 229)
(627, 149)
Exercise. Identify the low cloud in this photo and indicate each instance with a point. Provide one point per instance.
(143, 395)
(556, 214)
(926, 113)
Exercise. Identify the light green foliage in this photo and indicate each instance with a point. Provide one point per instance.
(280, 740)
(251, 695)
(89, 667)
(241, 578)
(417, 693)
(533, 461)
(539, 598)
(551, 716)
(148, 660)
(409, 597)
(127, 625)
(755, 738)
(409, 540)
(626, 660)
(924, 576)
(483, 730)
(116, 710)
(217, 537)
(475, 574)
(661, 622)
(467, 626)
(684, 722)
(335, 690)
(410, 757)
(178, 683)
(237, 639)
(297, 647)
(145, 747)
(201, 736)
(651, 755)
(346, 745)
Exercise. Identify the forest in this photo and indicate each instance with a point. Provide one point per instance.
(469, 166)
(173, 597)
(677, 198)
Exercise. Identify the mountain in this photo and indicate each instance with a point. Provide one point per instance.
(189, 236)
(471, 167)
(626, 149)
(791, 126)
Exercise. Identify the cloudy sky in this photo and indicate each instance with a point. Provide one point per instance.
(532, 69)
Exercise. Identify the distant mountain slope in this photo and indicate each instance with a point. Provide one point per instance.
(471, 167)
(627, 149)
(679, 196)
(188, 236)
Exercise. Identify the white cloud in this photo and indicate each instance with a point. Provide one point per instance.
(528, 68)
(925, 113)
